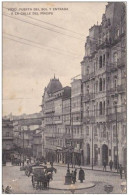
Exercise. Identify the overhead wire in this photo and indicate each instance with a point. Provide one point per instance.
(37, 46)
(60, 27)
(60, 51)
(37, 25)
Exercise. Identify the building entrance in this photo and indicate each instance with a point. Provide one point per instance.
(88, 154)
(104, 153)
(95, 154)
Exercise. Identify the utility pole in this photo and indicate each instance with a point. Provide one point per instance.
(116, 135)
(23, 147)
(92, 146)
(72, 139)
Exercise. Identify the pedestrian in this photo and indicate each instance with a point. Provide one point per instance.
(75, 173)
(125, 172)
(73, 177)
(121, 170)
(111, 165)
(81, 175)
(2, 189)
(104, 165)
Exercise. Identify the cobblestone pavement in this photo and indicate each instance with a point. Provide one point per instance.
(20, 183)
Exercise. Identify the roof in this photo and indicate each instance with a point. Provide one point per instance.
(54, 85)
(34, 121)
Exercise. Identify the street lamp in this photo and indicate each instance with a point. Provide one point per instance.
(68, 175)
(115, 105)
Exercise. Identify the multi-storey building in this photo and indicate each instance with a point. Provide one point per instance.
(76, 120)
(54, 129)
(37, 143)
(24, 134)
(104, 88)
(7, 139)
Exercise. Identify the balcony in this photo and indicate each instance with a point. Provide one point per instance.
(111, 67)
(7, 138)
(121, 88)
(121, 62)
(88, 119)
(118, 89)
(78, 136)
(88, 76)
(49, 110)
(88, 97)
(120, 116)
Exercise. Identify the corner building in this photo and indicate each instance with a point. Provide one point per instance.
(56, 112)
(103, 72)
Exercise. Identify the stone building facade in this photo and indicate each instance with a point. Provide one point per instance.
(7, 140)
(91, 118)
(56, 115)
(103, 72)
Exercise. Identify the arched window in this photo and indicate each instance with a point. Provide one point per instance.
(104, 107)
(100, 108)
(97, 109)
(100, 62)
(96, 86)
(104, 60)
(115, 82)
(87, 111)
(100, 84)
(114, 131)
(104, 84)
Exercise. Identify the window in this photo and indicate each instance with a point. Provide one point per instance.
(87, 130)
(100, 84)
(104, 107)
(87, 110)
(104, 84)
(7, 134)
(97, 109)
(100, 108)
(104, 132)
(95, 132)
(96, 86)
(115, 82)
(100, 62)
(114, 131)
(115, 58)
(104, 60)
(88, 89)
(87, 69)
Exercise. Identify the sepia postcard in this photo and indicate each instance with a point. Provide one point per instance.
(64, 119)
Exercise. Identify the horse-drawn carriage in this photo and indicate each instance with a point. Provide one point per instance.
(40, 179)
(41, 176)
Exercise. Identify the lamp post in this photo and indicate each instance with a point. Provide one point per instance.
(23, 146)
(92, 147)
(115, 105)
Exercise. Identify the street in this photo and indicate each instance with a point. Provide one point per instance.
(20, 183)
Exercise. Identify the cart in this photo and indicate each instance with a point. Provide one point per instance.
(39, 179)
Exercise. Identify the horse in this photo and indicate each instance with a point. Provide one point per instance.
(51, 170)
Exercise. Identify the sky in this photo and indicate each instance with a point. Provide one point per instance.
(35, 47)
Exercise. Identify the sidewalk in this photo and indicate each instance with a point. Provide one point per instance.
(95, 168)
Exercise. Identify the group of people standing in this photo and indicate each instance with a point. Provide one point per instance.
(81, 175)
